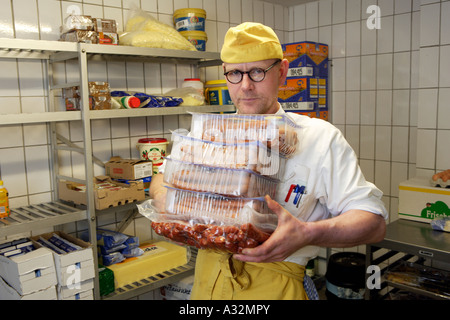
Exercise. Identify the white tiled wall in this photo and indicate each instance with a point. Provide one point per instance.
(390, 88)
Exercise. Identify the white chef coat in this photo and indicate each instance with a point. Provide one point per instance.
(327, 168)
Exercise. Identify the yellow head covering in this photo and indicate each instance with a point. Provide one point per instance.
(250, 42)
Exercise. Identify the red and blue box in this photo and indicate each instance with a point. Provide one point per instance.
(304, 94)
(306, 58)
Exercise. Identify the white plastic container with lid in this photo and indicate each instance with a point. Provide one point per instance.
(153, 149)
(194, 83)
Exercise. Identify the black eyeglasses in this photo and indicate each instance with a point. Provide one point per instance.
(255, 74)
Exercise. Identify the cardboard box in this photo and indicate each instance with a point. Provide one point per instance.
(145, 180)
(307, 54)
(419, 201)
(79, 291)
(304, 94)
(105, 197)
(72, 267)
(9, 293)
(128, 169)
(29, 272)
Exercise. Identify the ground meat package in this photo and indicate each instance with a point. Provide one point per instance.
(210, 221)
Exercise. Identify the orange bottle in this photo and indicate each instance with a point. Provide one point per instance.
(4, 203)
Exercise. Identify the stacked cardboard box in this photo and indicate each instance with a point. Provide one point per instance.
(107, 193)
(74, 267)
(306, 88)
(29, 275)
(129, 170)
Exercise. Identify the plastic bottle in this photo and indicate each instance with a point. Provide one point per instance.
(310, 268)
(127, 102)
(194, 83)
(4, 203)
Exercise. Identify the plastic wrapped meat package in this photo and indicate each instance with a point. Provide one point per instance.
(225, 181)
(142, 30)
(277, 132)
(210, 221)
(252, 155)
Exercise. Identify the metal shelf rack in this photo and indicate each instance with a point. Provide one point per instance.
(411, 240)
(55, 213)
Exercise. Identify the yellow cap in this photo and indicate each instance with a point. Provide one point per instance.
(250, 42)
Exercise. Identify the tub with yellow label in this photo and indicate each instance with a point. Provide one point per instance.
(216, 92)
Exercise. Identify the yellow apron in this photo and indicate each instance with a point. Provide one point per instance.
(220, 277)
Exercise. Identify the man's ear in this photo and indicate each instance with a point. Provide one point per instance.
(284, 67)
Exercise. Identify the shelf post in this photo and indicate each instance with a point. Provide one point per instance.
(88, 160)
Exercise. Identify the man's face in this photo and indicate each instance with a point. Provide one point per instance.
(251, 97)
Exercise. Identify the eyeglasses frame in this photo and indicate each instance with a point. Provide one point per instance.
(248, 73)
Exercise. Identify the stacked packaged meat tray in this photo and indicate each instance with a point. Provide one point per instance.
(217, 177)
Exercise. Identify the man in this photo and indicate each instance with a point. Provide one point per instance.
(338, 207)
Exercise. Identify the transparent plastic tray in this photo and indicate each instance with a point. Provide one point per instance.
(278, 132)
(225, 181)
(248, 155)
(208, 221)
(217, 209)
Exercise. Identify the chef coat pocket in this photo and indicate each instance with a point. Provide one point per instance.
(293, 191)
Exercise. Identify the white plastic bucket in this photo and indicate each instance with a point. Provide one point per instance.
(152, 149)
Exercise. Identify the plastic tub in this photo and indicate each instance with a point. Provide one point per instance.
(224, 181)
(195, 83)
(152, 149)
(216, 93)
(275, 131)
(189, 19)
(253, 156)
(197, 38)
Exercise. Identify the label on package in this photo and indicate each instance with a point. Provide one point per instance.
(143, 170)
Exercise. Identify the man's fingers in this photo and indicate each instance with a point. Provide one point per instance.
(273, 205)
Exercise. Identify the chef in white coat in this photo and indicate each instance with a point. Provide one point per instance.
(323, 200)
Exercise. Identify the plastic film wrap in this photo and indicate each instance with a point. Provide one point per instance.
(252, 155)
(210, 221)
(219, 180)
(142, 30)
(277, 132)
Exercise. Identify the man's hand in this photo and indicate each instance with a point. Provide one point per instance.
(158, 192)
(351, 228)
(287, 238)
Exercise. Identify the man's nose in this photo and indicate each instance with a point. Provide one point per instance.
(246, 82)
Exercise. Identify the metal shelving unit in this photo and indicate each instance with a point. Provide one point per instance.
(56, 213)
(406, 241)
(31, 217)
